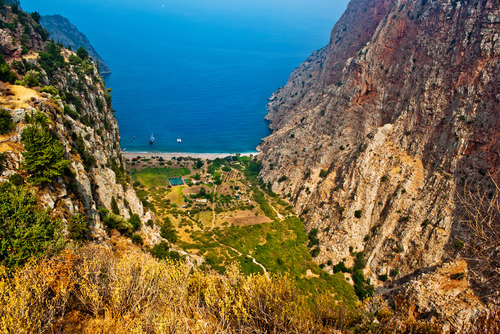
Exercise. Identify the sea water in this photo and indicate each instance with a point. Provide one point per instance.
(197, 70)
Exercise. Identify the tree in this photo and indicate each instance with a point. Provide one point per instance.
(6, 123)
(6, 75)
(36, 17)
(82, 53)
(25, 229)
(44, 155)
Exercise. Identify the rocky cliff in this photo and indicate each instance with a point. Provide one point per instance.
(62, 30)
(54, 82)
(379, 137)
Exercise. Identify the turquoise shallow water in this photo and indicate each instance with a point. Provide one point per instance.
(197, 70)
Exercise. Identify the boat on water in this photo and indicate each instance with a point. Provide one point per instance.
(179, 140)
(151, 139)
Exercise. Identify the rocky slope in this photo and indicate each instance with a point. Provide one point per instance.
(78, 106)
(62, 30)
(381, 134)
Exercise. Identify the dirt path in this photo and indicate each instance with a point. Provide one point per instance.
(213, 209)
(280, 216)
(241, 254)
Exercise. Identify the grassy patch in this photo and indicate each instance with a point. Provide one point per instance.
(158, 177)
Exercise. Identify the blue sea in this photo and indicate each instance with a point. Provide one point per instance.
(197, 70)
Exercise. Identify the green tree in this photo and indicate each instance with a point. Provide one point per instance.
(82, 53)
(25, 229)
(36, 16)
(44, 155)
(6, 123)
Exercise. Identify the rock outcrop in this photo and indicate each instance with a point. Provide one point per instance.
(381, 133)
(80, 116)
(63, 31)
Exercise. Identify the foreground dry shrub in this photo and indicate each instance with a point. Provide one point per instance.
(32, 299)
(92, 290)
(245, 303)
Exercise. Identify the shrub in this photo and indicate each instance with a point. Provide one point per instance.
(6, 123)
(340, 267)
(315, 252)
(16, 179)
(394, 272)
(358, 213)
(51, 90)
(361, 287)
(74, 59)
(167, 231)
(459, 244)
(88, 160)
(283, 178)
(78, 227)
(44, 155)
(324, 173)
(36, 17)
(383, 277)
(6, 75)
(31, 79)
(114, 206)
(25, 230)
(137, 239)
(82, 53)
(161, 250)
(3, 159)
(51, 60)
(135, 221)
(70, 112)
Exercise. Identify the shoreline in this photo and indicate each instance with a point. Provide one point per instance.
(170, 155)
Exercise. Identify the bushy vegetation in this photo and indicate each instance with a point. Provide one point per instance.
(26, 230)
(51, 60)
(78, 227)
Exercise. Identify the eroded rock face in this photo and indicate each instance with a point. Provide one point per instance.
(401, 112)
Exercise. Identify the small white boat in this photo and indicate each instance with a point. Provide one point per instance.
(179, 140)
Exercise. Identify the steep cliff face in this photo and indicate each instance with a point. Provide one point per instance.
(69, 91)
(62, 30)
(380, 132)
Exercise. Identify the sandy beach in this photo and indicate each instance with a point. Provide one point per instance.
(170, 155)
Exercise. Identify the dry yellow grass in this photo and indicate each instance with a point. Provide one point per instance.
(20, 98)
